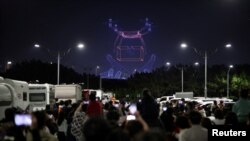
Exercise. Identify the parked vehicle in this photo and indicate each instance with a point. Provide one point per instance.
(8, 98)
(68, 92)
(41, 95)
(21, 89)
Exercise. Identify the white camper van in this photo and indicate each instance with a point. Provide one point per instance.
(66, 92)
(41, 95)
(21, 91)
(8, 98)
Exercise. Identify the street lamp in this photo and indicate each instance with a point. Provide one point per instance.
(96, 69)
(196, 64)
(79, 46)
(100, 80)
(228, 45)
(9, 63)
(36, 45)
(168, 64)
(184, 45)
(228, 79)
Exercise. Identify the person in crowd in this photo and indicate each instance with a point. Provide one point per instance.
(79, 119)
(182, 124)
(214, 107)
(168, 119)
(122, 108)
(202, 111)
(94, 107)
(241, 107)
(152, 135)
(106, 108)
(181, 105)
(134, 128)
(221, 105)
(8, 129)
(196, 132)
(219, 117)
(96, 129)
(248, 120)
(113, 117)
(73, 108)
(118, 135)
(190, 108)
(231, 119)
(62, 126)
(38, 130)
(51, 124)
(149, 109)
(206, 123)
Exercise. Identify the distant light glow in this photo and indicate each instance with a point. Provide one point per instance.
(9, 62)
(196, 64)
(231, 66)
(168, 63)
(36, 45)
(228, 45)
(184, 45)
(97, 67)
(80, 46)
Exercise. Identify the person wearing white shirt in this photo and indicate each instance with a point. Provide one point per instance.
(196, 132)
(219, 117)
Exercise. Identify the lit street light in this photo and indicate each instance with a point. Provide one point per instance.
(36, 45)
(196, 64)
(79, 46)
(9, 63)
(184, 45)
(228, 45)
(228, 79)
(168, 64)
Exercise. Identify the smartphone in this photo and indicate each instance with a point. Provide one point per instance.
(50, 116)
(132, 109)
(85, 102)
(23, 120)
(131, 117)
(180, 102)
(116, 105)
(164, 108)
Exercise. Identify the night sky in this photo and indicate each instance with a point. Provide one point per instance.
(60, 24)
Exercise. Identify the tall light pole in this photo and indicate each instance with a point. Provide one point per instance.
(96, 70)
(79, 46)
(8, 65)
(100, 79)
(228, 79)
(184, 45)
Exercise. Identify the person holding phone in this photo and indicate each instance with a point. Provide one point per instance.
(37, 131)
(149, 109)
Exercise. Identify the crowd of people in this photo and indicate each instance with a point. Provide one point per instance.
(93, 121)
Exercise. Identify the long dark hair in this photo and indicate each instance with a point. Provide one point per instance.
(41, 118)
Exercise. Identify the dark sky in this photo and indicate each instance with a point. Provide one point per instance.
(60, 24)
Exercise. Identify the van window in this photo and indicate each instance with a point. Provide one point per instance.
(24, 96)
(37, 97)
